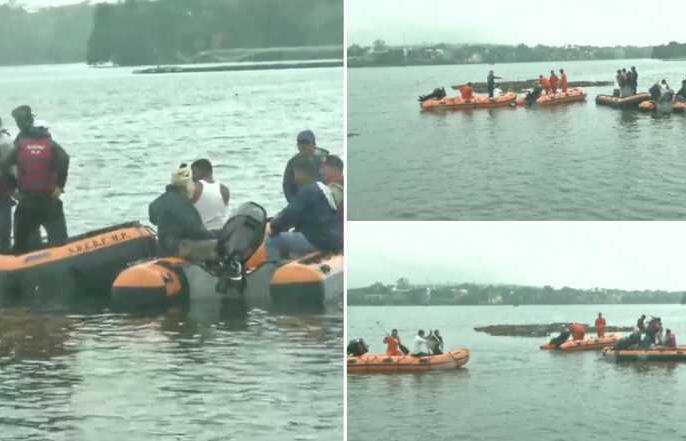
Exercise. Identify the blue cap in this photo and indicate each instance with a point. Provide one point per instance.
(306, 137)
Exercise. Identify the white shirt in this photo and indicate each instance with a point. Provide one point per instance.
(211, 205)
(419, 345)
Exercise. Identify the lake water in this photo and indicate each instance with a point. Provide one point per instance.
(79, 376)
(511, 390)
(577, 161)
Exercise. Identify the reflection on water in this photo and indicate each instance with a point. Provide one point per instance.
(574, 161)
(510, 389)
(254, 375)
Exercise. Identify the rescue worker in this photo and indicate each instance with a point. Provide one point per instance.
(333, 177)
(210, 197)
(419, 346)
(42, 169)
(670, 339)
(554, 80)
(600, 325)
(307, 147)
(467, 92)
(681, 94)
(490, 83)
(438, 348)
(564, 84)
(577, 330)
(634, 79)
(563, 337)
(357, 348)
(641, 324)
(8, 184)
(393, 343)
(312, 212)
(544, 83)
(180, 229)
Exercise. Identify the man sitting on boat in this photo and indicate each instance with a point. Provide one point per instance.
(312, 213)
(180, 229)
(393, 343)
(210, 197)
(670, 339)
(577, 330)
(307, 147)
(435, 342)
(681, 94)
(419, 345)
(357, 347)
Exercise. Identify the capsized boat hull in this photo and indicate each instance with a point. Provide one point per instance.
(654, 354)
(382, 363)
(622, 102)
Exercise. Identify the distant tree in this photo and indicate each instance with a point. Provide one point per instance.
(379, 46)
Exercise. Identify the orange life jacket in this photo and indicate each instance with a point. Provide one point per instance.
(393, 347)
(466, 92)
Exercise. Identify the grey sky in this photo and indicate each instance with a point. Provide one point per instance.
(531, 22)
(628, 255)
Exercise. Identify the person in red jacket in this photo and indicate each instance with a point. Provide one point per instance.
(393, 343)
(467, 92)
(42, 167)
(577, 330)
(545, 83)
(564, 84)
(600, 325)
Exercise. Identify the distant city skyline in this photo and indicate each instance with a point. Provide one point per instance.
(584, 22)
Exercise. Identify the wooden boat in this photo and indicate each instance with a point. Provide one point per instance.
(622, 102)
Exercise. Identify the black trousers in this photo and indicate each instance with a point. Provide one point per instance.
(33, 212)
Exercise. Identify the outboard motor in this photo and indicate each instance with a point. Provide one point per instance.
(357, 347)
(238, 240)
(437, 94)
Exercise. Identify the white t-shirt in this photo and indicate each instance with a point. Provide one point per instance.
(419, 345)
(211, 205)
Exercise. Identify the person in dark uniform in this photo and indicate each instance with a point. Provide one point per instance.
(307, 147)
(490, 83)
(42, 168)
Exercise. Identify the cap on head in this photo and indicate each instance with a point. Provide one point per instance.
(306, 137)
(23, 115)
(182, 178)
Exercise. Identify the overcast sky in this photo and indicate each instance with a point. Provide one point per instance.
(627, 255)
(637, 22)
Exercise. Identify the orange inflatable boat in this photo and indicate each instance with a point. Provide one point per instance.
(572, 96)
(653, 354)
(382, 363)
(650, 106)
(624, 102)
(87, 264)
(478, 102)
(313, 280)
(589, 344)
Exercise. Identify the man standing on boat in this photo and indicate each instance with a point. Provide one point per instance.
(634, 79)
(307, 147)
(419, 346)
(42, 168)
(8, 184)
(553, 82)
(564, 84)
(600, 325)
(490, 83)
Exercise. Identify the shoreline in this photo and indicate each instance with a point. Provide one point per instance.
(239, 67)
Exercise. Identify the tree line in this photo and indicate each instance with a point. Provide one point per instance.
(475, 294)
(134, 32)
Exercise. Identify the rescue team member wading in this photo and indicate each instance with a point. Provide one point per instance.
(42, 168)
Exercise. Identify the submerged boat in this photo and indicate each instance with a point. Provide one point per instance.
(622, 102)
(313, 280)
(86, 265)
(478, 102)
(653, 354)
(382, 363)
(589, 344)
(650, 106)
